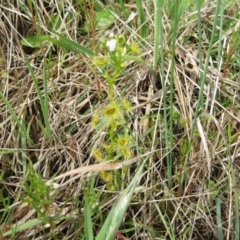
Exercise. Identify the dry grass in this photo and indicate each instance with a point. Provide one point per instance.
(200, 189)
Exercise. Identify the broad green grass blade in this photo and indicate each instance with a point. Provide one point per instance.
(115, 216)
(87, 220)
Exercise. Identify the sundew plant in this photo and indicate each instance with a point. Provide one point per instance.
(110, 64)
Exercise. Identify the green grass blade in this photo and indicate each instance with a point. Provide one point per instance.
(59, 40)
(43, 102)
(143, 25)
(236, 212)
(157, 32)
(202, 82)
(68, 44)
(165, 221)
(13, 114)
(115, 216)
(22, 227)
(45, 109)
(87, 220)
(126, 12)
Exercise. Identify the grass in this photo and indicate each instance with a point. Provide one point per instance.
(179, 177)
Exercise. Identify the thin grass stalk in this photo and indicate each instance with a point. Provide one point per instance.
(157, 32)
(219, 219)
(5, 202)
(125, 12)
(177, 12)
(199, 105)
(236, 202)
(158, 38)
(23, 147)
(199, 27)
(45, 109)
(219, 56)
(167, 224)
(10, 109)
(44, 103)
(233, 187)
(143, 28)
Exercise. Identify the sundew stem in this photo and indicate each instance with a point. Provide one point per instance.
(111, 92)
(112, 124)
(111, 135)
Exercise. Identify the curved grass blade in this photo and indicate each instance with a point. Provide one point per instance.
(68, 44)
(59, 40)
(116, 215)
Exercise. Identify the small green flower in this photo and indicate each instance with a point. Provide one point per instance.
(123, 145)
(126, 153)
(126, 105)
(95, 120)
(125, 169)
(121, 40)
(100, 61)
(110, 187)
(121, 50)
(134, 48)
(112, 111)
(122, 65)
(98, 155)
(123, 142)
(106, 146)
(106, 176)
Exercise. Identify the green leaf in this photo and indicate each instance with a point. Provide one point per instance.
(103, 20)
